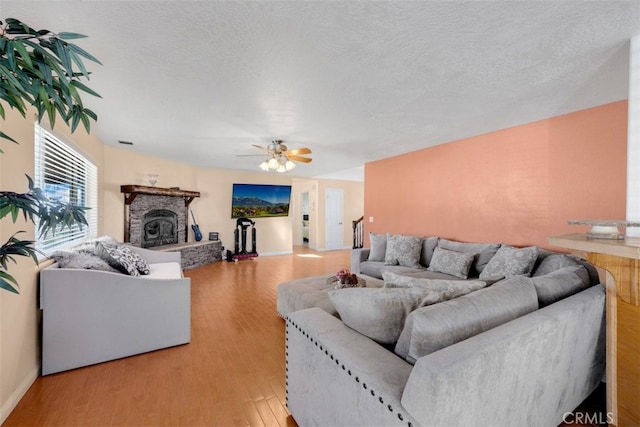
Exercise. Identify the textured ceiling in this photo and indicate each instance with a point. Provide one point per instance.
(199, 82)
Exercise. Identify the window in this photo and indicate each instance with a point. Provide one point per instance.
(65, 174)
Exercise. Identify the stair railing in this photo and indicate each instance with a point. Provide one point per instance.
(358, 232)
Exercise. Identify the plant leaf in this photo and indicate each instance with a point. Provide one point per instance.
(70, 36)
(5, 278)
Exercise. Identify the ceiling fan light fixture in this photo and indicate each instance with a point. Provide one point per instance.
(281, 159)
(273, 163)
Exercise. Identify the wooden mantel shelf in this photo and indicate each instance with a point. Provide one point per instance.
(621, 261)
(132, 191)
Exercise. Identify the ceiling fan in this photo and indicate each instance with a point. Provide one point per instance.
(281, 158)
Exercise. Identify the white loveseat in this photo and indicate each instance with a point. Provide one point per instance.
(92, 316)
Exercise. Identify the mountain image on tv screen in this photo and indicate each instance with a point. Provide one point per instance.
(260, 201)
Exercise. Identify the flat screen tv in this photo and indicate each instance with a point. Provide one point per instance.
(260, 200)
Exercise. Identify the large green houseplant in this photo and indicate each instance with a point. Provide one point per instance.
(42, 69)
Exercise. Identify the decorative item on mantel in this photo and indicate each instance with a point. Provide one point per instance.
(605, 228)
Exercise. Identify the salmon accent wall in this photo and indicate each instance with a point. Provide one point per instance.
(517, 185)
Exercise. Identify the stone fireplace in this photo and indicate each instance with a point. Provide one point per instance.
(156, 216)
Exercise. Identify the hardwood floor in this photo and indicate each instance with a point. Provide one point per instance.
(231, 374)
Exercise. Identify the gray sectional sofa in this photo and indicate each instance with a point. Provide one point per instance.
(423, 347)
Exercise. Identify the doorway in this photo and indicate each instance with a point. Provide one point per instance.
(334, 227)
(304, 209)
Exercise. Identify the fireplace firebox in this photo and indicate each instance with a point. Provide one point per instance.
(159, 227)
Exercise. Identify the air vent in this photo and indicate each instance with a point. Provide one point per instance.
(125, 142)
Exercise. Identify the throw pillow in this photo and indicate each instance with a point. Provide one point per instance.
(553, 262)
(510, 261)
(431, 328)
(141, 264)
(450, 262)
(91, 244)
(428, 246)
(119, 257)
(376, 313)
(483, 251)
(439, 289)
(403, 250)
(81, 260)
(561, 283)
(378, 243)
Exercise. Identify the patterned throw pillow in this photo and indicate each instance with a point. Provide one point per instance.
(141, 264)
(403, 250)
(454, 263)
(119, 257)
(510, 261)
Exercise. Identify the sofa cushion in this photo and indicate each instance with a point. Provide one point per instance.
(428, 246)
(431, 328)
(304, 293)
(374, 269)
(483, 251)
(164, 270)
(561, 283)
(403, 250)
(378, 243)
(509, 261)
(425, 274)
(549, 261)
(440, 289)
(451, 262)
(377, 313)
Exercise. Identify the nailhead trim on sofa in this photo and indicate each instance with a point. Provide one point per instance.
(290, 323)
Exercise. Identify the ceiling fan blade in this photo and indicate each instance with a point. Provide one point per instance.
(299, 159)
(297, 151)
(260, 147)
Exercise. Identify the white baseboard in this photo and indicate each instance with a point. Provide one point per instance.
(339, 249)
(15, 397)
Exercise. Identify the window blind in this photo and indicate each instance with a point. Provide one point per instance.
(64, 174)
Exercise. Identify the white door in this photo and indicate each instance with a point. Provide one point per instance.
(334, 227)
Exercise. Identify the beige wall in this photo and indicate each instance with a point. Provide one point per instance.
(19, 315)
(213, 210)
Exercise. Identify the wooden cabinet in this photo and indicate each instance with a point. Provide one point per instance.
(621, 261)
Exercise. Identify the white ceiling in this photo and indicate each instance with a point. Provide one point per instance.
(355, 81)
